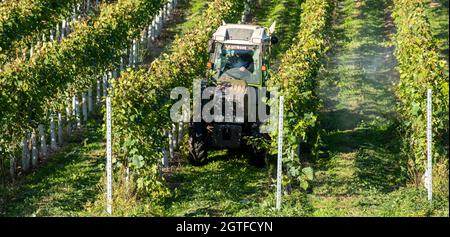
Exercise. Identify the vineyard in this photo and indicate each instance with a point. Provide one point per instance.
(359, 108)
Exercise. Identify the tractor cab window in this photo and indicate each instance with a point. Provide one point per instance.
(238, 59)
(238, 62)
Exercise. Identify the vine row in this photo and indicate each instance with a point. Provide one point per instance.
(420, 69)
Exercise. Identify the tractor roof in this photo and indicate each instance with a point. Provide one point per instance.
(240, 34)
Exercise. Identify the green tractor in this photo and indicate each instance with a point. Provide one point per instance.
(238, 62)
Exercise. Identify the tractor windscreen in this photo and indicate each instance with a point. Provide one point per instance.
(238, 62)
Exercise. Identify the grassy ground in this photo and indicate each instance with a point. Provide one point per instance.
(365, 174)
(181, 20)
(287, 15)
(63, 185)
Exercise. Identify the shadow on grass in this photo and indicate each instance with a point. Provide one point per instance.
(222, 187)
(60, 187)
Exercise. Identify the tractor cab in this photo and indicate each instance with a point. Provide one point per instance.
(241, 52)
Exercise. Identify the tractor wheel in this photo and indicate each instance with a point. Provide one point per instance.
(197, 144)
(256, 157)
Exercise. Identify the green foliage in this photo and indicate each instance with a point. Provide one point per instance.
(297, 82)
(141, 100)
(420, 68)
(23, 18)
(29, 90)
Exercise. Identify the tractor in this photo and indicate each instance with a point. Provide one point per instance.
(239, 57)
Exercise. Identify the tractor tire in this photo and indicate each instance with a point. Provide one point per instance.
(197, 144)
(256, 157)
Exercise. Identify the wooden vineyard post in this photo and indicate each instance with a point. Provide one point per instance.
(108, 158)
(280, 152)
(429, 171)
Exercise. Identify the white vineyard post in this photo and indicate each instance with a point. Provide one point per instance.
(108, 157)
(127, 177)
(57, 33)
(99, 97)
(180, 133)
(12, 168)
(280, 152)
(74, 14)
(168, 9)
(174, 137)
(38, 46)
(53, 143)
(429, 180)
(34, 150)
(84, 106)
(134, 54)
(153, 30)
(89, 99)
(43, 142)
(115, 74)
(121, 64)
(165, 159)
(77, 112)
(74, 105)
(137, 54)
(108, 79)
(163, 18)
(171, 143)
(25, 154)
(105, 79)
(69, 123)
(144, 36)
(52, 37)
(63, 29)
(156, 26)
(60, 129)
